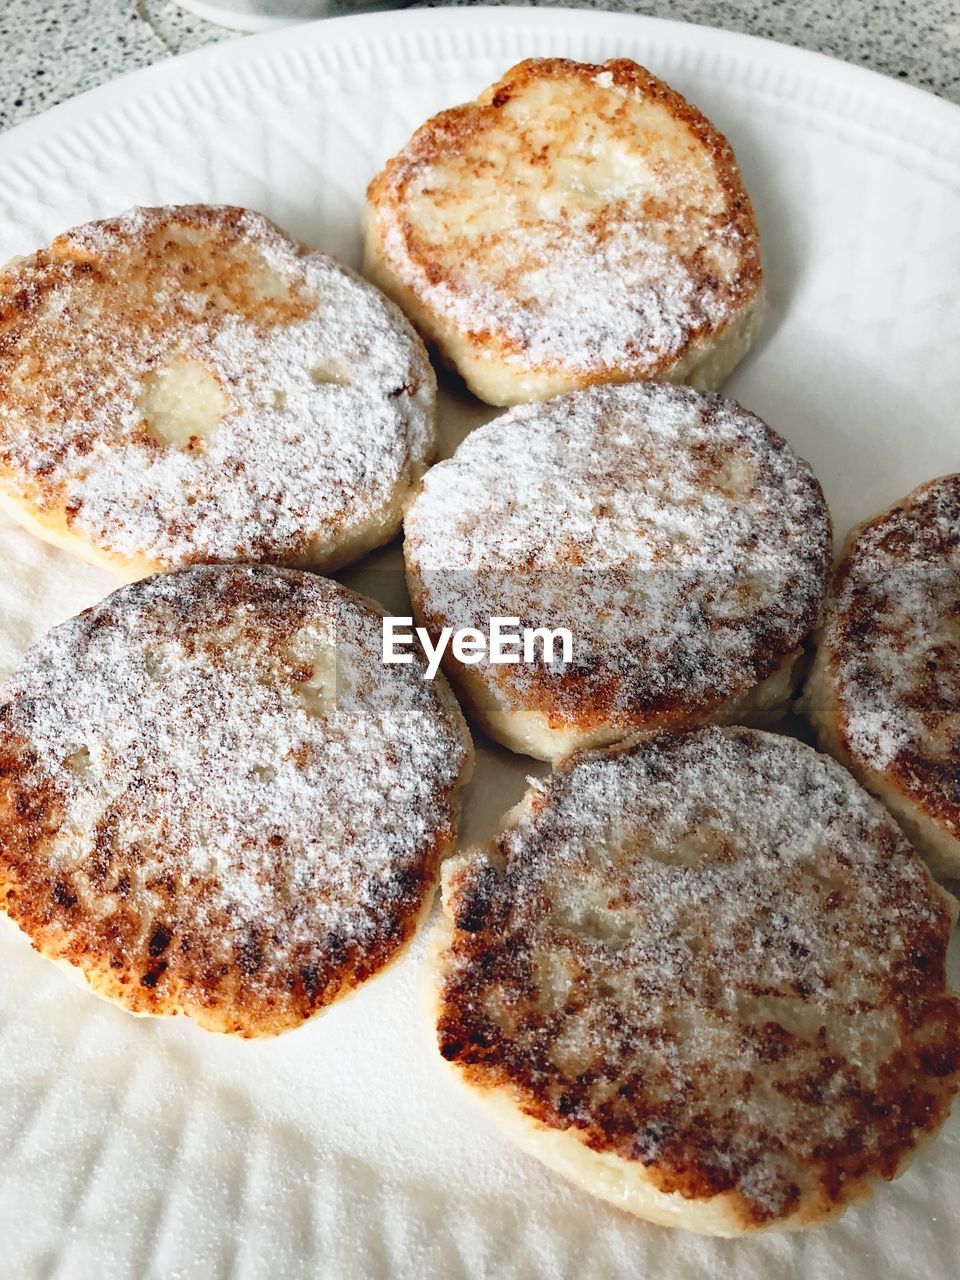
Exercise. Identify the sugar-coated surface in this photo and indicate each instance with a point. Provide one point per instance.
(680, 541)
(884, 692)
(580, 305)
(576, 218)
(893, 626)
(225, 790)
(327, 394)
(713, 955)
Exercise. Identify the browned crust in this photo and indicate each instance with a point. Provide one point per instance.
(30, 375)
(68, 379)
(613, 692)
(156, 966)
(156, 959)
(450, 130)
(31, 378)
(688, 1142)
(29, 286)
(921, 533)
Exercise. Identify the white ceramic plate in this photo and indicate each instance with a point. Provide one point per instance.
(132, 1148)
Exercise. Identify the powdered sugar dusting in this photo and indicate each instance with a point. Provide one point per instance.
(329, 394)
(678, 538)
(577, 217)
(893, 634)
(220, 752)
(714, 954)
(559, 299)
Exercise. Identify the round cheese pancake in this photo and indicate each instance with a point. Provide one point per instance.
(576, 224)
(702, 976)
(884, 691)
(188, 384)
(677, 539)
(216, 800)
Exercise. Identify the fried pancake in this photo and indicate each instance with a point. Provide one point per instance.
(216, 800)
(884, 691)
(677, 538)
(576, 224)
(703, 976)
(188, 384)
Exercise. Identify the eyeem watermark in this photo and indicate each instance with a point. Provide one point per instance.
(505, 643)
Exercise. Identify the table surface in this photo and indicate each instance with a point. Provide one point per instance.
(51, 52)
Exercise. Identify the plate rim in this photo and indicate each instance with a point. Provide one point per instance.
(361, 30)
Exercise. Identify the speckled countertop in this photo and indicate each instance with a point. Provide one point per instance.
(51, 51)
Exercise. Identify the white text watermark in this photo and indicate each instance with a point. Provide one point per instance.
(506, 642)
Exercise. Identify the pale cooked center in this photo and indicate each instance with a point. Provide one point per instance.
(320, 678)
(562, 151)
(182, 403)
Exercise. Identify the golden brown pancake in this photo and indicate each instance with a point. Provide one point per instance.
(576, 224)
(884, 692)
(677, 538)
(703, 976)
(216, 800)
(188, 384)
